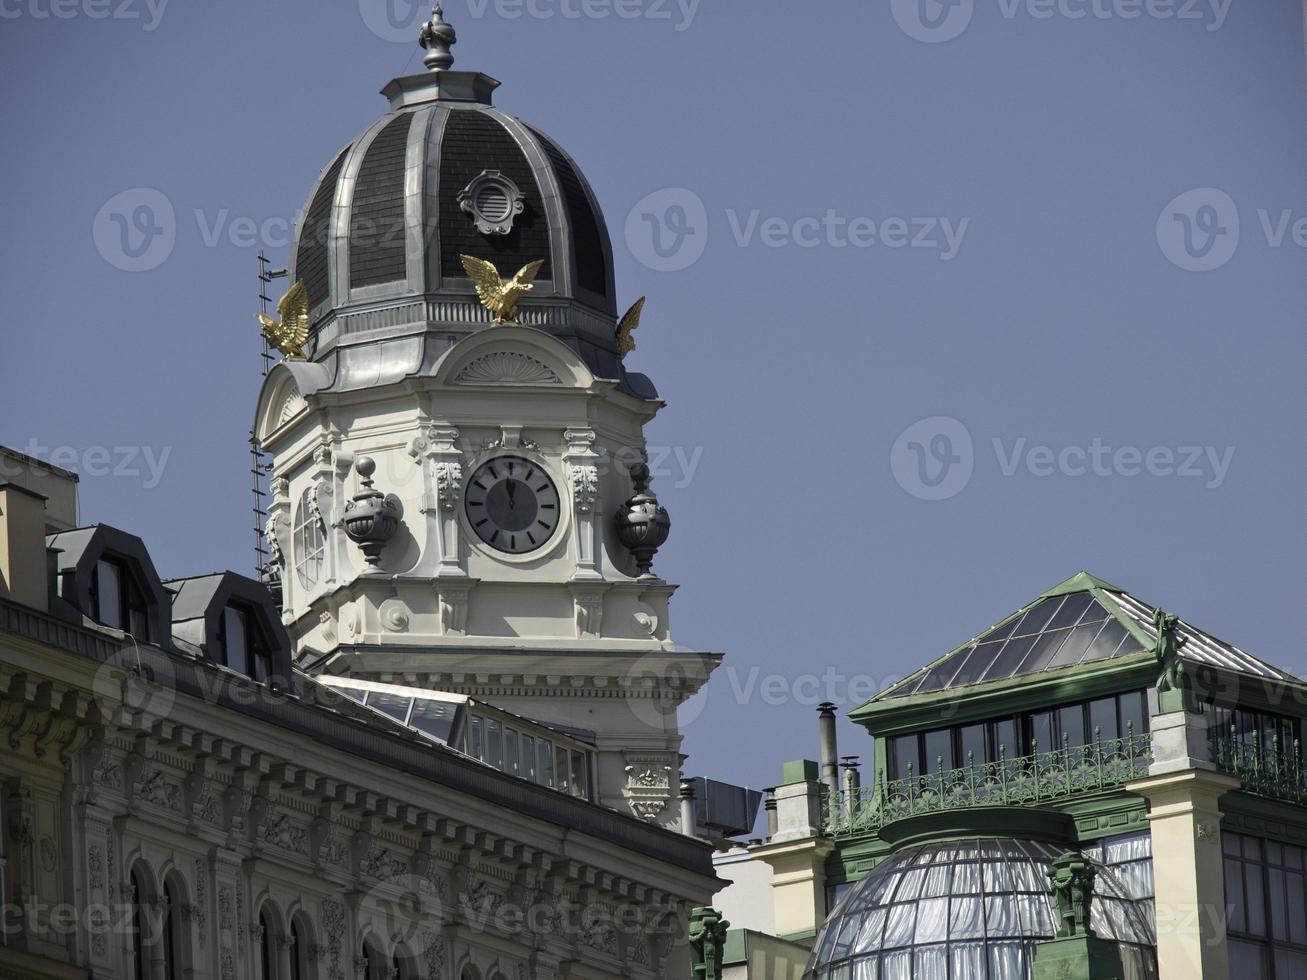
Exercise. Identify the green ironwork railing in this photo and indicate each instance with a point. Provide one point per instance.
(1040, 777)
(1267, 766)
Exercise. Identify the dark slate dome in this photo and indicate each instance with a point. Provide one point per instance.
(445, 174)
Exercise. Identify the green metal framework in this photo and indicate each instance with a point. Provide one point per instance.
(1038, 778)
(1266, 767)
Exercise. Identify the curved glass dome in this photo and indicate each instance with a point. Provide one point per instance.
(968, 910)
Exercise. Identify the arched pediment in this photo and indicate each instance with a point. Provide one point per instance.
(513, 357)
(282, 399)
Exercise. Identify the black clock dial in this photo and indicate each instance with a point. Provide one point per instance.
(512, 505)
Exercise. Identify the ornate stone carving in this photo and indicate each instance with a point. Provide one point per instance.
(453, 610)
(95, 865)
(199, 910)
(281, 832)
(589, 610)
(226, 909)
(433, 954)
(585, 486)
(507, 368)
(394, 615)
(333, 925)
(648, 788)
(449, 484)
(156, 788)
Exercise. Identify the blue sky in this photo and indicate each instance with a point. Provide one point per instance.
(945, 307)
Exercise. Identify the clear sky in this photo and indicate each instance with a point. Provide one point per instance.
(977, 214)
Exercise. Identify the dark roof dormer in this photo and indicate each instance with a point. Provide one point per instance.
(234, 622)
(106, 575)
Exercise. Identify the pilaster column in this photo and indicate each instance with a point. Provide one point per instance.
(1183, 790)
(581, 464)
(437, 452)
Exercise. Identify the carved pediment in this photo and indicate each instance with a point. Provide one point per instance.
(507, 368)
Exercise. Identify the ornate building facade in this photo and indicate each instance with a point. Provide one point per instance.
(439, 738)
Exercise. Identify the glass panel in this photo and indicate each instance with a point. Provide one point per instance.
(1247, 960)
(109, 594)
(434, 718)
(234, 637)
(1037, 619)
(1234, 898)
(1004, 631)
(968, 921)
(1289, 963)
(903, 751)
(1003, 735)
(1010, 658)
(1070, 726)
(511, 764)
(1041, 733)
(939, 745)
(1279, 904)
(1106, 643)
(475, 746)
(1073, 650)
(561, 774)
(1255, 895)
(528, 758)
(1297, 910)
(394, 705)
(1075, 606)
(1102, 719)
(547, 764)
(1134, 714)
(967, 959)
(1043, 651)
(580, 775)
(977, 663)
(971, 745)
(1001, 916)
(494, 744)
(931, 963)
(899, 925)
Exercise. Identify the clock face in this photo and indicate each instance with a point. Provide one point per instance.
(512, 505)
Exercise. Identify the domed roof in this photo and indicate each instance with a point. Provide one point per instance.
(445, 174)
(969, 908)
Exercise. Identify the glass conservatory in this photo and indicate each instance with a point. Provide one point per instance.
(975, 909)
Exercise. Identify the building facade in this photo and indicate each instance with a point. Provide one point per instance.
(438, 738)
(1091, 788)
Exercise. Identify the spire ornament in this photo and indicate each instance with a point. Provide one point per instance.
(642, 523)
(437, 38)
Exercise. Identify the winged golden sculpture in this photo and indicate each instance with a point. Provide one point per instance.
(627, 325)
(498, 295)
(290, 332)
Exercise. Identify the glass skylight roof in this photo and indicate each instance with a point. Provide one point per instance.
(1057, 631)
(1081, 621)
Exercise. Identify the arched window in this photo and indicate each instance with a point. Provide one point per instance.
(171, 918)
(299, 952)
(267, 945)
(310, 542)
(138, 929)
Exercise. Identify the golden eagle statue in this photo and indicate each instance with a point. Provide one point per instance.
(626, 326)
(290, 332)
(498, 295)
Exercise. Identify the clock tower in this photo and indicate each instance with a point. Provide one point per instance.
(460, 505)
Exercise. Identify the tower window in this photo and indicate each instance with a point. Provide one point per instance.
(310, 542)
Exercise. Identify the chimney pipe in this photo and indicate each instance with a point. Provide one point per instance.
(769, 807)
(688, 827)
(830, 776)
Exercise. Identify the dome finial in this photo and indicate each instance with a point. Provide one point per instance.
(437, 37)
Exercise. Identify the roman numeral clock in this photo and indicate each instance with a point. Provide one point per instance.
(459, 496)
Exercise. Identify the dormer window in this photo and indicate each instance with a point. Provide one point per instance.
(117, 601)
(242, 645)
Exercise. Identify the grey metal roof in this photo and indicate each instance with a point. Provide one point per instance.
(1083, 620)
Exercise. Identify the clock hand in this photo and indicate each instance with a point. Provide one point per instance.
(511, 487)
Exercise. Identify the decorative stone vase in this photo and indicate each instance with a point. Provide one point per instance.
(643, 525)
(371, 518)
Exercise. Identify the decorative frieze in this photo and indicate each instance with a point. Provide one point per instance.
(648, 788)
